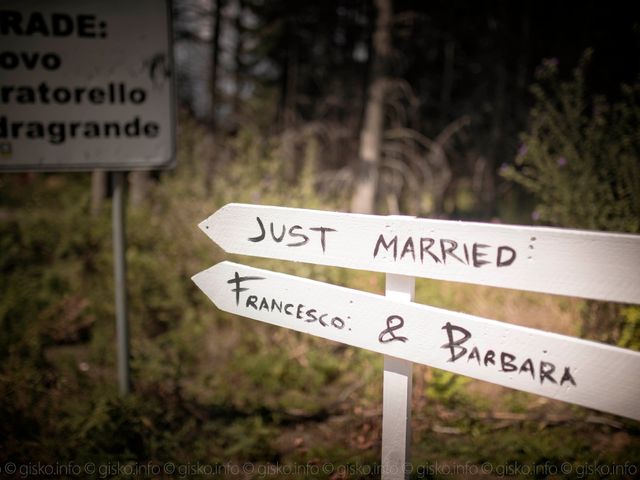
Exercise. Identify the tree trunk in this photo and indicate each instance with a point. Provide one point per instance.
(488, 193)
(98, 191)
(237, 56)
(285, 65)
(216, 11)
(138, 187)
(523, 55)
(290, 114)
(366, 181)
(447, 77)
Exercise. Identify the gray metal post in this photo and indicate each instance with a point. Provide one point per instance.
(120, 282)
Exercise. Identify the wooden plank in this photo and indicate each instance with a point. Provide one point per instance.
(586, 264)
(397, 384)
(586, 373)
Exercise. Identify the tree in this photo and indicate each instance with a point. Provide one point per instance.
(366, 182)
(216, 12)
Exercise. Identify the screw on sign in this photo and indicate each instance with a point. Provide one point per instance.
(568, 262)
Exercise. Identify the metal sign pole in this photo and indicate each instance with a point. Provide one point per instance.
(120, 282)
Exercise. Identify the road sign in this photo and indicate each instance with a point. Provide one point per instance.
(595, 265)
(85, 84)
(573, 370)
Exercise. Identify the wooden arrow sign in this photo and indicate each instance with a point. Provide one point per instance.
(586, 373)
(596, 265)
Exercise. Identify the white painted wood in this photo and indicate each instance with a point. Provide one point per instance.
(606, 377)
(396, 418)
(603, 266)
(397, 387)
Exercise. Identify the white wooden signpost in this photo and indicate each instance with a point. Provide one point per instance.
(544, 363)
(84, 85)
(600, 266)
(570, 262)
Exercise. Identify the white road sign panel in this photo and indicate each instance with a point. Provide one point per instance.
(85, 84)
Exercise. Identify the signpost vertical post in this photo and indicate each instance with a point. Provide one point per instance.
(396, 396)
(120, 282)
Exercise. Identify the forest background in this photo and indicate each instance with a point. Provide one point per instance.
(514, 112)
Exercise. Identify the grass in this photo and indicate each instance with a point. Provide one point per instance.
(214, 391)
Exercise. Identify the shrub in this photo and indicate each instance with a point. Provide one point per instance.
(580, 154)
(580, 157)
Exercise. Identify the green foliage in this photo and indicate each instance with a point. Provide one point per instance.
(580, 155)
(630, 336)
(193, 371)
(447, 387)
(208, 387)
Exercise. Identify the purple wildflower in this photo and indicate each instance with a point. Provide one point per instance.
(547, 68)
(562, 161)
(535, 216)
(522, 151)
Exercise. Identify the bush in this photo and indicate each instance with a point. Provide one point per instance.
(580, 154)
(580, 157)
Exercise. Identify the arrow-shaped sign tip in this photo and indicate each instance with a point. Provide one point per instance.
(206, 278)
(212, 225)
(199, 279)
(204, 225)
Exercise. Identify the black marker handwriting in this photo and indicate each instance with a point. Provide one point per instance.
(237, 280)
(294, 233)
(457, 338)
(388, 335)
(444, 251)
